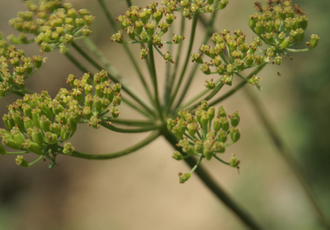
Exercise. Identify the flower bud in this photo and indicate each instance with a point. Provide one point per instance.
(188, 149)
(204, 120)
(285, 43)
(234, 161)
(218, 147)
(235, 134)
(17, 135)
(170, 124)
(207, 150)
(21, 161)
(224, 123)
(114, 111)
(50, 138)
(197, 58)
(192, 128)
(205, 68)
(44, 123)
(216, 124)
(234, 119)
(68, 148)
(198, 146)
(259, 29)
(210, 113)
(222, 136)
(37, 136)
(314, 41)
(184, 177)
(65, 132)
(223, 4)
(177, 155)
(32, 147)
(221, 112)
(209, 84)
(144, 53)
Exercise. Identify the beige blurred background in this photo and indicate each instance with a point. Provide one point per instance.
(141, 190)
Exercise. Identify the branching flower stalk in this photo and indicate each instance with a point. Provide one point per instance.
(42, 125)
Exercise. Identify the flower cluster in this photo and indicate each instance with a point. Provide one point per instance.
(146, 26)
(15, 67)
(281, 24)
(196, 136)
(232, 54)
(55, 24)
(38, 123)
(97, 99)
(189, 8)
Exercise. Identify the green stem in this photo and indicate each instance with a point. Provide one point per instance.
(129, 122)
(138, 109)
(33, 162)
(113, 74)
(208, 97)
(129, 3)
(191, 42)
(297, 50)
(213, 186)
(21, 93)
(127, 50)
(76, 62)
(287, 156)
(169, 88)
(154, 79)
(122, 130)
(222, 161)
(124, 152)
(209, 32)
(86, 56)
(240, 85)
(15, 153)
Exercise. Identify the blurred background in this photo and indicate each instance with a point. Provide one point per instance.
(141, 190)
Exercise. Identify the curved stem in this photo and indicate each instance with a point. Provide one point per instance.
(33, 162)
(214, 187)
(124, 152)
(287, 156)
(122, 130)
(154, 79)
(240, 85)
(86, 56)
(191, 42)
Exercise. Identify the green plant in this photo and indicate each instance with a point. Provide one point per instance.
(42, 125)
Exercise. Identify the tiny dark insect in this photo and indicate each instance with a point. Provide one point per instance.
(279, 74)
